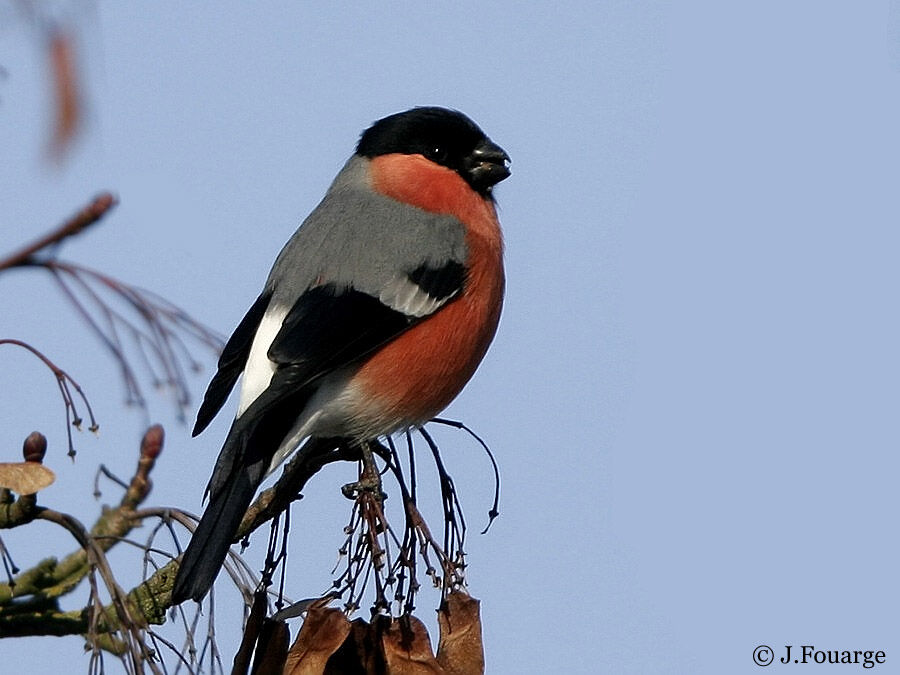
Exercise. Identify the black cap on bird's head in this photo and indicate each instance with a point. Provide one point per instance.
(446, 137)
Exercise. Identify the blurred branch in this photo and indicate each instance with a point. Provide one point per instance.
(67, 92)
(87, 216)
(58, 32)
(155, 331)
(156, 335)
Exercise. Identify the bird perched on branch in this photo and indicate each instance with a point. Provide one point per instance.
(375, 315)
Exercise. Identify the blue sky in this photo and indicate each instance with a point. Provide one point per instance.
(693, 394)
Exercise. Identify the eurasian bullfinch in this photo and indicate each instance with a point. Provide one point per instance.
(375, 315)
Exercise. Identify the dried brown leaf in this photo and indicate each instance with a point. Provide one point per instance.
(461, 650)
(271, 648)
(25, 478)
(252, 627)
(323, 633)
(328, 644)
(407, 649)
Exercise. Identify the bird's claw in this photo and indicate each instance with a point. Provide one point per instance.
(365, 485)
(369, 479)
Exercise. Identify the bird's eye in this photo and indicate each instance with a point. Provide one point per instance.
(436, 153)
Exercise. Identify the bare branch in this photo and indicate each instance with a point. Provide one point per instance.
(87, 216)
(51, 579)
(157, 334)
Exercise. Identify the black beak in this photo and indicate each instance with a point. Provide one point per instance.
(487, 165)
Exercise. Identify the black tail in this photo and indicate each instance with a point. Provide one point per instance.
(209, 546)
(240, 469)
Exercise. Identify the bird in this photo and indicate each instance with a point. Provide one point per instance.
(375, 314)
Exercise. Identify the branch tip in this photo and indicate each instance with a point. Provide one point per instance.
(35, 447)
(152, 443)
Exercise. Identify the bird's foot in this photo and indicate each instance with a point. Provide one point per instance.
(364, 486)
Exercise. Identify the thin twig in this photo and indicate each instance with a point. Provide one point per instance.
(495, 508)
(64, 381)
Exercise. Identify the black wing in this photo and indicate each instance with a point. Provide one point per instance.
(331, 326)
(328, 327)
(325, 329)
(440, 282)
(231, 363)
